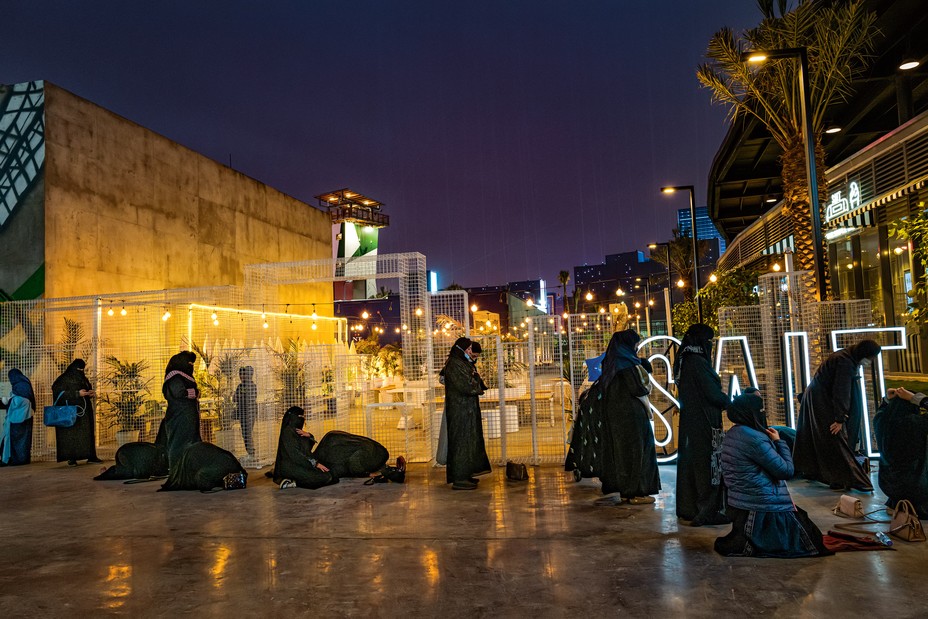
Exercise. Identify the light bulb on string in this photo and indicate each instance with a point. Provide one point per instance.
(110, 312)
(314, 314)
(314, 327)
(123, 311)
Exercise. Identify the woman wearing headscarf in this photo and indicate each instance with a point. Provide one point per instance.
(182, 418)
(467, 453)
(295, 464)
(16, 426)
(901, 428)
(139, 460)
(700, 497)
(350, 455)
(629, 461)
(74, 389)
(246, 407)
(205, 467)
(830, 418)
(755, 465)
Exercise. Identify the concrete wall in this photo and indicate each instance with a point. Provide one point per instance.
(127, 209)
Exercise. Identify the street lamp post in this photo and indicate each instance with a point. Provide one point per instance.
(668, 291)
(692, 191)
(808, 138)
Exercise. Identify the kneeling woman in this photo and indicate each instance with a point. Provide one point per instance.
(204, 467)
(139, 460)
(295, 464)
(755, 463)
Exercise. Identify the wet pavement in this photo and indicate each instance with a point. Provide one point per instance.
(73, 547)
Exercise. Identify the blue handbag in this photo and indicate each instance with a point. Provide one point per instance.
(63, 416)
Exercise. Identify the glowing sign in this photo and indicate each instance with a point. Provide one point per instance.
(789, 389)
(657, 414)
(745, 350)
(839, 206)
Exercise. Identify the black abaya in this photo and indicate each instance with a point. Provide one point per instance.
(139, 460)
(203, 467)
(902, 434)
(467, 453)
(77, 442)
(829, 398)
(182, 419)
(350, 455)
(585, 452)
(295, 460)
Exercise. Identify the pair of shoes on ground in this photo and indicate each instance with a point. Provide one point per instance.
(466, 484)
(287, 483)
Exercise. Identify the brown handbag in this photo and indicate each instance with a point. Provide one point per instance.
(905, 524)
(848, 507)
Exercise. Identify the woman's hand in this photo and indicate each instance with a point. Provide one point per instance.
(86, 393)
(304, 433)
(322, 467)
(773, 434)
(835, 427)
(905, 394)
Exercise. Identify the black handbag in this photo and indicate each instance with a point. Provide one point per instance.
(516, 471)
(63, 416)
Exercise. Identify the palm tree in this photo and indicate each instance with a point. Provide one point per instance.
(681, 258)
(839, 37)
(564, 277)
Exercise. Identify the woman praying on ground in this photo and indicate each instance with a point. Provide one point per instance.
(755, 465)
(139, 460)
(16, 424)
(295, 464)
(629, 464)
(901, 428)
(350, 455)
(830, 419)
(182, 419)
(467, 453)
(78, 442)
(204, 467)
(699, 474)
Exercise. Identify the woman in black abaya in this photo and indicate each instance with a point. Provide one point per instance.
(204, 467)
(77, 442)
(350, 455)
(182, 419)
(467, 453)
(629, 464)
(16, 428)
(829, 416)
(295, 464)
(139, 460)
(700, 496)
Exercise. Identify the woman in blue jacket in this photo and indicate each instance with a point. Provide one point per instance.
(755, 465)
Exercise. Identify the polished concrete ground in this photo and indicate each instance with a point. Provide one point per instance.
(73, 547)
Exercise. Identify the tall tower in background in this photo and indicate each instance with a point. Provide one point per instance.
(360, 220)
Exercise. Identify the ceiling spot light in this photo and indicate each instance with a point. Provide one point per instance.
(833, 129)
(908, 64)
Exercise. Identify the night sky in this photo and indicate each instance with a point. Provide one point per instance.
(508, 140)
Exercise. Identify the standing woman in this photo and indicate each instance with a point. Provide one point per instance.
(629, 460)
(182, 419)
(830, 419)
(16, 427)
(246, 407)
(700, 497)
(77, 442)
(467, 454)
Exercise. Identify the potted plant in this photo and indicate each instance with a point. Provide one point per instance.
(217, 386)
(125, 395)
(291, 375)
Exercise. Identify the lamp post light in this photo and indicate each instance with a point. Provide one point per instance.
(692, 190)
(808, 138)
(668, 291)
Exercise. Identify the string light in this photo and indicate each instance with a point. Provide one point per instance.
(123, 312)
(166, 315)
(110, 312)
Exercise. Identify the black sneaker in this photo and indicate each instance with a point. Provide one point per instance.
(72, 462)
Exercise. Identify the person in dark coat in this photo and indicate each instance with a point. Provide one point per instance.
(295, 464)
(246, 407)
(204, 467)
(467, 453)
(828, 417)
(584, 455)
(755, 465)
(182, 418)
(350, 455)
(16, 427)
(700, 495)
(901, 428)
(77, 442)
(139, 460)
(629, 460)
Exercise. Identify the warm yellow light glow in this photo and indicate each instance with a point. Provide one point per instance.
(530, 303)
(637, 304)
(314, 327)
(850, 265)
(396, 330)
(713, 278)
(123, 312)
(367, 203)
(110, 312)
(776, 266)
(909, 64)
(602, 310)
(418, 311)
(348, 194)
(757, 57)
(615, 310)
(833, 129)
(166, 315)
(214, 316)
(680, 283)
(651, 302)
(263, 316)
(365, 315)
(565, 315)
(216, 323)
(447, 325)
(589, 296)
(619, 292)
(473, 308)
(668, 189)
(898, 251)
(265, 325)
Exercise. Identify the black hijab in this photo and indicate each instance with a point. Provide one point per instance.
(864, 349)
(747, 409)
(21, 386)
(292, 449)
(73, 378)
(457, 352)
(181, 362)
(696, 341)
(620, 354)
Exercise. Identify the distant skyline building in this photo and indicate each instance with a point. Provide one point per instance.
(705, 229)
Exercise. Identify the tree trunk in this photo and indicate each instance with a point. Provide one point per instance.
(796, 204)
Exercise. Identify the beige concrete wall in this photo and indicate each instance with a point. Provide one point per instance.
(127, 209)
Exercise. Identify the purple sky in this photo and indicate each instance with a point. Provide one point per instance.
(507, 139)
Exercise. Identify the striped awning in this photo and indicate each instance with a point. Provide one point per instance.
(880, 200)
